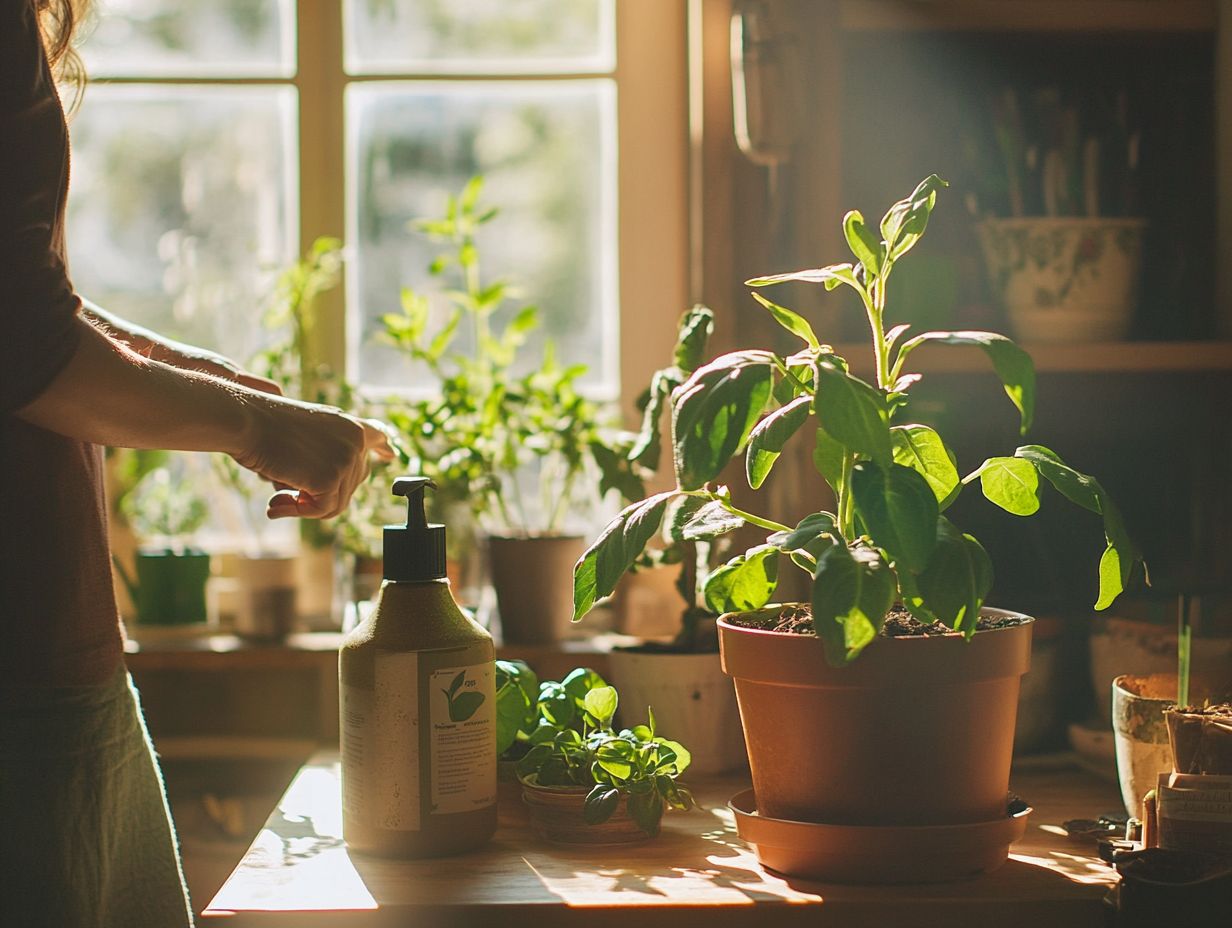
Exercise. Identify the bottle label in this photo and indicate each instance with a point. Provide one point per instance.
(380, 746)
(462, 703)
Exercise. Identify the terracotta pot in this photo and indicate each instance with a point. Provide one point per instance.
(693, 702)
(1142, 753)
(533, 580)
(916, 731)
(556, 815)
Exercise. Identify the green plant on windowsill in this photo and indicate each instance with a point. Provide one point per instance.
(164, 510)
(494, 417)
(573, 750)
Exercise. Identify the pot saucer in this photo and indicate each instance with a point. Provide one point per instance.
(878, 853)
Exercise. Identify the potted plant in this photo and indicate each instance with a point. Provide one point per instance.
(167, 585)
(853, 760)
(682, 677)
(1064, 257)
(584, 782)
(506, 436)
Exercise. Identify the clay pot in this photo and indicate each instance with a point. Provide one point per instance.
(533, 580)
(915, 732)
(556, 815)
(692, 699)
(1142, 753)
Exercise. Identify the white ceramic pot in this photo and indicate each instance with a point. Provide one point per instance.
(694, 703)
(1065, 279)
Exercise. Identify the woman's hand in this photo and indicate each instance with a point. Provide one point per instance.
(316, 455)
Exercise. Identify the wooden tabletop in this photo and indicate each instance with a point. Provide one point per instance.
(298, 872)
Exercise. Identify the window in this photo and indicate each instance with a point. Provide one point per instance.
(220, 137)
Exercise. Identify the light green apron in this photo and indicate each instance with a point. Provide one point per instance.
(86, 839)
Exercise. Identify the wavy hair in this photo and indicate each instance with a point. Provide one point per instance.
(58, 22)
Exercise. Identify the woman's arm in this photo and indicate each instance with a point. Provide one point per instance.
(107, 394)
(177, 354)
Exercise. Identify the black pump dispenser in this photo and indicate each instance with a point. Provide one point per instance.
(414, 552)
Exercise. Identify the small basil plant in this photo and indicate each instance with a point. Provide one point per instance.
(574, 744)
(887, 539)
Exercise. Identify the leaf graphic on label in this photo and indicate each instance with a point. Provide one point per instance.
(463, 706)
(457, 682)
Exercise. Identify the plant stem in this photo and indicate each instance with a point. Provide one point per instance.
(768, 524)
(844, 506)
(1184, 640)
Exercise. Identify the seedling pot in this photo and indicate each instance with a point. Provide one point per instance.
(918, 731)
(1201, 741)
(533, 580)
(556, 815)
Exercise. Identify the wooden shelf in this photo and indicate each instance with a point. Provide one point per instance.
(1094, 357)
(1029, 15)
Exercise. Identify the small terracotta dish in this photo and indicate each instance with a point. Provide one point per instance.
(878, 853)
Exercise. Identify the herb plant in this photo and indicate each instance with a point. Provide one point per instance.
(887, 539)
(574, 744)
(163, 506)
(487, 426)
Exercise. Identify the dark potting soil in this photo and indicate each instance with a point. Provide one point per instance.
(1220, 711)
(899, 623)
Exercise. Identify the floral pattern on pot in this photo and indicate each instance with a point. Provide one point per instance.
(1064, 279)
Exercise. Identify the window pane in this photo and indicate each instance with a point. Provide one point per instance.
(479, 36)
(151, 38)
(546, 151)
(182, 206)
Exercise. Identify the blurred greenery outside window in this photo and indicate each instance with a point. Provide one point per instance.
(198, 170)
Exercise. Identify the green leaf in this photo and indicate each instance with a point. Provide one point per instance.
(810, 527)
(709, 522)
(714, 411)
(831, 276)
(793, 322)
(648, 447)
(907, 219)
(457, 682)
(766, 441)
(614, 551)
(957, 578)
(601, 704)
(900, 511)
(616, 472)
(744, 583)
(696, 327)
(828, 459)
(683, 757)
(517, 690)
(852, 412)
(1011, 483)
(853, 589)
(647, 810)
(922, 449)
(611, 757)
(600, 803)
(1012, 364)
(863, 243)
(1119, 558)
(580, 681)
